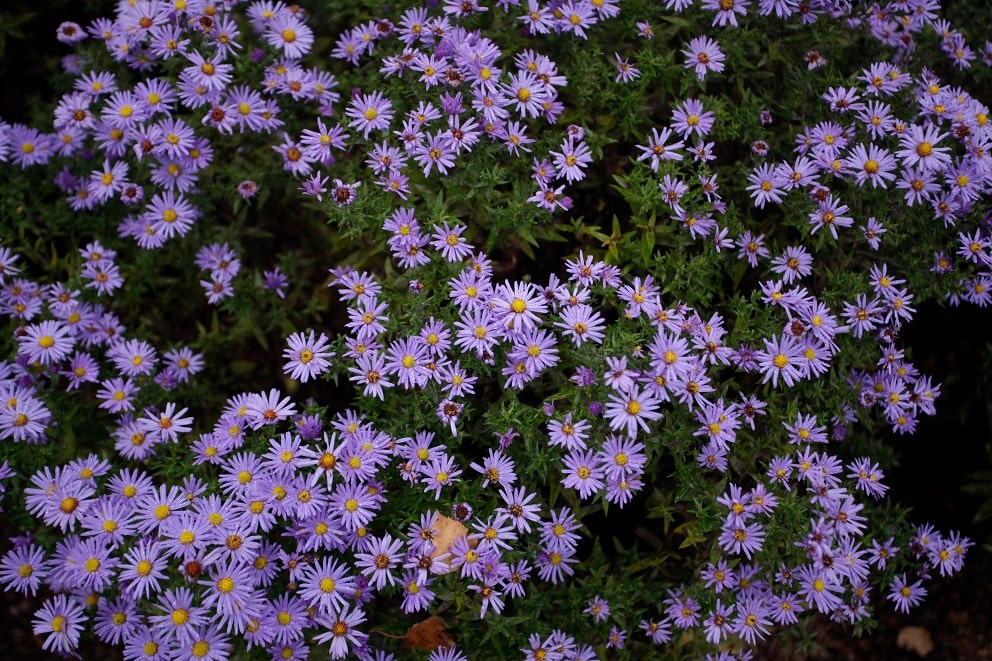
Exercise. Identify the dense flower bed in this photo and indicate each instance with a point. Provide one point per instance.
(589, 262)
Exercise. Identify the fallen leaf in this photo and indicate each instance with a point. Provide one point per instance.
(429, 635)
(446, 531)
(915, 639)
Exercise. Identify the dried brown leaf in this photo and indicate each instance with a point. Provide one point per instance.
(915, 639)
(446, 531)
(428, 635)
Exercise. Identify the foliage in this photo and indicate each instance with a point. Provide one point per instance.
(602, 365)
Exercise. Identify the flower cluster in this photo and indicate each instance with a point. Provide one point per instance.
(720, 360)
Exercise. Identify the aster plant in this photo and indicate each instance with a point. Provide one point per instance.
(573, 323)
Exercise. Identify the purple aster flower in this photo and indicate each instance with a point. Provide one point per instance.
(275, 280)
(133, 357)
(340, 630)
(905, 595)
(582, 324)
(370, 372)
(517, 306)
(217, 289)
(442, 471)
(819, 588)
(632, 411)
(780, 359)
(294, 158)
(785, 608)
(343, 194)
(626, 72)
(379, 558)
(795, 262)
(683, 611)
(461, 134)
(354, 505)
(520, 507)
(478, 330)
(167, 425)
(183, 363)
(919, 149)
(247, 189)
(616, 638)
(620, 490)
(69, 32)
(436, 152)
(47, 342)
(450, 242)
(308, 357)
(370, 112)
(691, 118)
(179, 616)
(713, 455)
(62, 619)
(672, 190)
(106, 183)
(869, 477)
(558, 534)
(213, 74)
(873, 164)
(658, 150)
(366, 321)
(582, 471)
(417, 594)
(572, 159)
(565, 433)
(726, 11)
(206, 643)
(315, 186)
(752, 620)
(764, 187)
(142, 569)
(555, 566)
(116, 620)
(497, 468)
(704, 55)
(325, 584)
(658, 632)
(719, 576)
(599, 608)
(23, 568)
(863, 316)
(528, 92)
(268, 408)
(873, 231)
(290, 34)
(740, 537)
(63, 502)
(109, 519)
(550, 199)
(718, 623)
(92, 565)
(156, 506)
